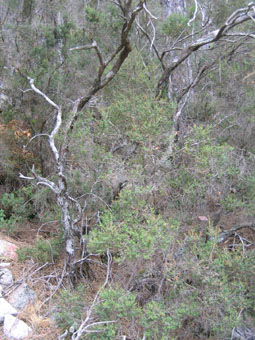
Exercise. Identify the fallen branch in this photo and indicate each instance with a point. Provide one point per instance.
(227, 233)
(86, 323)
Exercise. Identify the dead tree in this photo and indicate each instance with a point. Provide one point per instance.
(59, 187)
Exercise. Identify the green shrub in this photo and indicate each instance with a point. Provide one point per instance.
(210, 286)
(160, 321)
(156, 321)
(130, 230)
(116, 305)
(9, 225)
(207, 169)
(112, 19)
(13, 204)
(17, 206)
(132, 109)
(70, 307)
(93, 15)
(174, 25)
(2, 216)
(12, 213)
(43, 250)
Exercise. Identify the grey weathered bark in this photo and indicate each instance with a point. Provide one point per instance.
(60, 187)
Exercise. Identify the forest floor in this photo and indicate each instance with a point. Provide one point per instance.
(34, 315)
(47, 279)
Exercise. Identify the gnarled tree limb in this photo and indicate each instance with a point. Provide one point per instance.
(236, 18)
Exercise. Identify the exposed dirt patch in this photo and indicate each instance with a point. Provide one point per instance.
(241, 230)
(47, 279)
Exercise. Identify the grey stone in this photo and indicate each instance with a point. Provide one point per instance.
(8, 250)
(15, 328)
(4, 101)
(21, 297)
(6, 278)
(5, 309)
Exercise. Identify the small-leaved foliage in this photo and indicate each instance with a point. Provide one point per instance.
(130, 230)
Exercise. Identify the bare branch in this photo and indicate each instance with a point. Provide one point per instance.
(236, 18)
(240, 34)
(147, 11)
(88, 47)
(239, 12)
(151, 42)
(31, 81)
(25, 91)
(60, 189)
(204, 20)
(173, 136)
(121, 53)
(113, 55)
(69, 125)
(35, 136)
(85, 323)
(58, 118)
(248, 76)
(41, 181)
(194, 82)
(81, 48)
(154, 34)
(227, 233)
(78, 208)
(95, 324)
(25, 177)
(194, 15)
(63, 336)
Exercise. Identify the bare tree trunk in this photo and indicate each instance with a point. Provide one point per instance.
(172, 6)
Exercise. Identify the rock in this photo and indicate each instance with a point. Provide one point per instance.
(5, 264)
(21, 297)
(8, 250)
(15, 328)
(4, 101)
(5, 309)
(6, 278)
(1, 291)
